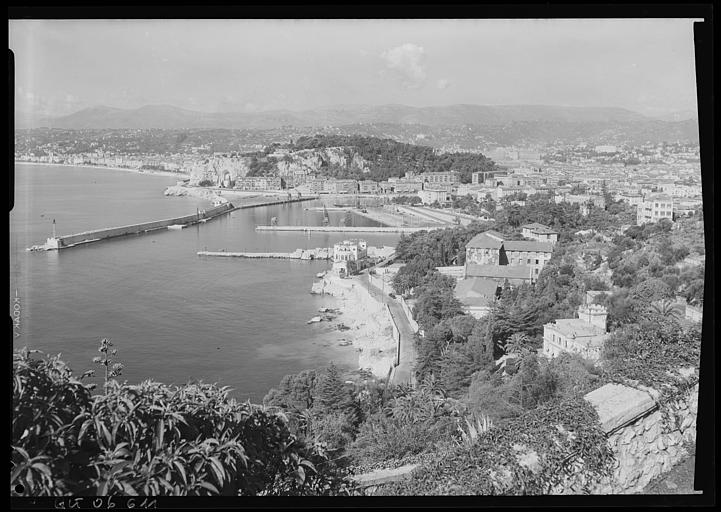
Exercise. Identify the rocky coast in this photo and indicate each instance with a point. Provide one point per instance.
(179, 190)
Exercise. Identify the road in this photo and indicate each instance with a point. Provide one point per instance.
(403, 373)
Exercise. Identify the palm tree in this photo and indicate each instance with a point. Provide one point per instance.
(667, 308)
(517, 343)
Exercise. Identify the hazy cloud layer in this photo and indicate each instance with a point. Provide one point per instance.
(62, 66)
(407, 62)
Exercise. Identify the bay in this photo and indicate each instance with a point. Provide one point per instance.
(172, 315)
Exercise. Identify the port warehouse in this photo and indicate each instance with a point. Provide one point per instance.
(100, 234)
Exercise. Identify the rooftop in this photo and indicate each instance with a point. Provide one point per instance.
(476, 291)
(498, 271)
(487, 240)
(527, 245)
(577, 328)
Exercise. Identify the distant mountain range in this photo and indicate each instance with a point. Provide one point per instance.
(552, 121)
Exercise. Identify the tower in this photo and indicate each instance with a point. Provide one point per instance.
(594, 314)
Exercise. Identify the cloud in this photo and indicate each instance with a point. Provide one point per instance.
(407, 61)
(443, 83)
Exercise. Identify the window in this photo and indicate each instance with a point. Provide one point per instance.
(536, 271)
(528, 261)
(536, 262)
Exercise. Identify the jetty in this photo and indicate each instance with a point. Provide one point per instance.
(320, 253)
(349, 229)
(177, 223)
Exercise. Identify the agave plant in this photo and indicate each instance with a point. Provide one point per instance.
(477, 425)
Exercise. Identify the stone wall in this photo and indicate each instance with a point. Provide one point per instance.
(409, 315)
(643, 446)
(396, 336)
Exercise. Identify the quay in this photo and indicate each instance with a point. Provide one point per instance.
(320, 253)
(275, 202)
(349, 229)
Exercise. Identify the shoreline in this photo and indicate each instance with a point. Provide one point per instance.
(148, 172)
(370, 328)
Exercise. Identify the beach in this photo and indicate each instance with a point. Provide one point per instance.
(149, 172)
(370, 329)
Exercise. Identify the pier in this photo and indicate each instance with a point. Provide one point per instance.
(275, 202)
(96, 235)
(349, 229)
(320, 253)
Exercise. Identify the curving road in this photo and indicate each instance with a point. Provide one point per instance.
(403, 373)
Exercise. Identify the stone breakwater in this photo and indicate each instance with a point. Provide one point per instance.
(371, 329)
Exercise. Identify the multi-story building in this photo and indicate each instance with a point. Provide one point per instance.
(490, 248)
(432, 196)
(479, 177)
(349, 256)
(654, 208)
(340, 186)
(448, 187)
(406, 186)
(539, 232)
(584, 335)
(368, 187)
(257, 183)
(434, 178)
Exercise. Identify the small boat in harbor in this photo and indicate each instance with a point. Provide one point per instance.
(320, 275)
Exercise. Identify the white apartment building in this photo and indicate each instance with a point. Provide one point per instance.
(654, 208)
(584, 335)
(349, 255)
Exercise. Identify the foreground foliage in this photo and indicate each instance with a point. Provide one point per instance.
(565, 435)
(152, 439)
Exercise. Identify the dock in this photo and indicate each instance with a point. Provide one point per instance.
(320, 253)
(349, 229)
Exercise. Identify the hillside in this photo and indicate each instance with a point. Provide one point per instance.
(505, 124)
(344, 157)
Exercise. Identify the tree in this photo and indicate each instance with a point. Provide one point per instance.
(517, 343)
(332, 395)
(667, 308)
(295, 392)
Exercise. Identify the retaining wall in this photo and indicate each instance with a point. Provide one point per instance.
(409, 315)
(642, 447)
(396, 336)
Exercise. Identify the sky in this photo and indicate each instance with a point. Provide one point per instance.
(62, 66)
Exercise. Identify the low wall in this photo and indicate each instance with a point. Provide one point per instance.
(409, 315)
(396, 336)
(642, 447)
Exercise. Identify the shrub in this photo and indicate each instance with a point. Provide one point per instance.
(152, 439)
(565, 435)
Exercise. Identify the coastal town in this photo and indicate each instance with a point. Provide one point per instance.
(365, 268)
